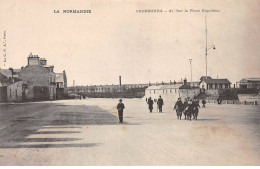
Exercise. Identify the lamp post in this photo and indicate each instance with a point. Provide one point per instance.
(190, 70)
(212, 47)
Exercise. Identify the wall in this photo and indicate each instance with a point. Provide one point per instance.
(38, 76)
(14, 92)
(3, 94)
(249, 97)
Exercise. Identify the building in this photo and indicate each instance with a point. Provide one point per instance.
(214, 84)
(4, 82)
(40, 79)
(171, 93)
(61, 85)
(10, 73)
(17, 92)
(194, 84)
(247, 83)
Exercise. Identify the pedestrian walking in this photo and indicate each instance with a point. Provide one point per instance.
(120, 108)
(160, 103)
(150, 104)
(203, 103)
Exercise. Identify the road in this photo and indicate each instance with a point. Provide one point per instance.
(87, 132)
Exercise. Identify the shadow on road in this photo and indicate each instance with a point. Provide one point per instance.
(20, 121)
(53, 145)
(208, 119)
(48, 139)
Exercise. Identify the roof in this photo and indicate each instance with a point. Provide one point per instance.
(216, 81)
(35, 68)
(6, 80)
(249, 79)
(59, 78)
(8, 73)
(185, 87)
(205, 77)
(3, 78)
(159, 87)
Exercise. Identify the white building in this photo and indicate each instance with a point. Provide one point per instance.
(170, 93)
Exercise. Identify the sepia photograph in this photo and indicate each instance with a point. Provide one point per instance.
(129, 83)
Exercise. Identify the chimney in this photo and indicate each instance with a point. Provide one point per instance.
(43, 61)
(174, 82)
(33, 60)
(119, 80)
(185, 81)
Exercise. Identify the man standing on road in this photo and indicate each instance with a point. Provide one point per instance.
(120, 108)
(160, 104)
(150, 104)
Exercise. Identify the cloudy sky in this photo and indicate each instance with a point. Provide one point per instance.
(116, 40)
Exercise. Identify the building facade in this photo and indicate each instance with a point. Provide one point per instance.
(40, 80)
(214, 84)
(61, 85)
(248, 83)
(171, 93)
(17, 92)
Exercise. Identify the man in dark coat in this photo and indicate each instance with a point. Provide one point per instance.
(203, 103)
(150, 103)
(178, 104)
(120, 108)
(160, 104)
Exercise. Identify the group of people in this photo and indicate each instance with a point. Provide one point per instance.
(159, 104)
(190, 107)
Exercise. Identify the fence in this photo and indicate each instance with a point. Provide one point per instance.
(233, 102)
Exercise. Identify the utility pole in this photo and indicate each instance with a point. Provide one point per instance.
(190, 70)
(206, 47)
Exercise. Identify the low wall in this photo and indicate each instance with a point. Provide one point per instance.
(233, 102)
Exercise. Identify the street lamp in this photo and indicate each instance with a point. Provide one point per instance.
(190, 70)
(211, 47)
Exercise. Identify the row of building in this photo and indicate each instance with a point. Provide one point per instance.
(35, 81)
(150, 89)
(206, 86)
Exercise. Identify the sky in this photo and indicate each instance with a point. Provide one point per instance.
(114, 40)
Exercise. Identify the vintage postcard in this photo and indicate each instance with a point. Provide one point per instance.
(129, 83)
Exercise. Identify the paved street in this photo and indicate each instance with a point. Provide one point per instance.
(87, 132)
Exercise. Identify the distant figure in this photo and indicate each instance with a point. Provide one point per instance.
(150, 103)
(120, 108)
(203, 103)
(195, 110)
(219, 100)
(189, 109)
(160, 104)
(179, 107)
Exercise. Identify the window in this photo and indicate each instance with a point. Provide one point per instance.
(154, 91)
(10, 93)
